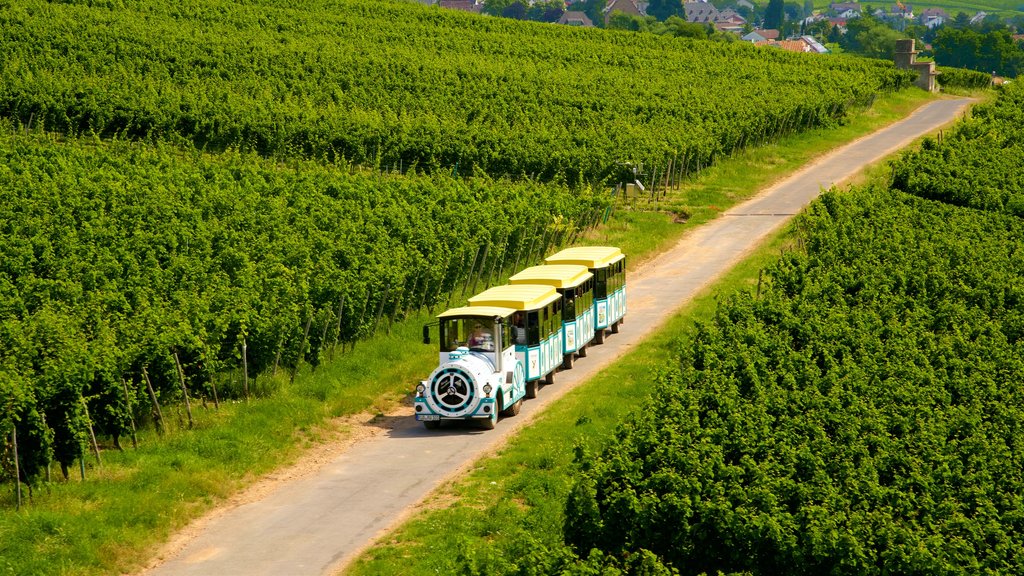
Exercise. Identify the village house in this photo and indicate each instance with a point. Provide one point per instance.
(902, 11)
(575, 18)
(839, 24)
(627, 7)
(933, 17)
(700, 12)
(757, 36)
(464, 5)
(729, 20)
(841, 8)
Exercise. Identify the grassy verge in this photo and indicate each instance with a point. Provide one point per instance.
(136, 499)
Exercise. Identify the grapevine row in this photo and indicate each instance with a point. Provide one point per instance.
(382, 84)
(860, 412)
(124, 261)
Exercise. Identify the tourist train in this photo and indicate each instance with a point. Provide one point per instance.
(510, 339)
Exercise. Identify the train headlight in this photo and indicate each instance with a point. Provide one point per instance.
(487, 389)
(421, 389)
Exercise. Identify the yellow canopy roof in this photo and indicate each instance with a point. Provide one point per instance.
(557, 275)
(517, 296)
(589, 256)
(478, 312)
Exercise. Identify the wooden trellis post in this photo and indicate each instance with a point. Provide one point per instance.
(17, 470)
(337, 330)
(92, 434)
(245, 368)
(184, 389)
(131, 417)
(158, 416)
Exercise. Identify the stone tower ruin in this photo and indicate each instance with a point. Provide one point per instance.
(905, 59)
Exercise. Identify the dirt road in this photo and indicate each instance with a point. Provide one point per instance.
(317, 522)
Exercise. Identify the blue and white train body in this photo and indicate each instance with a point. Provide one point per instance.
(575, 285)
(509, 339)
(608, 264)
(537, 327)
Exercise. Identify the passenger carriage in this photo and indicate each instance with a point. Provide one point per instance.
(537, 327)
(480, 374)
(575, 285)
(608, 265)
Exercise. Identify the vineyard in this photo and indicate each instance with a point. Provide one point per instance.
(202, 196)
(451, 91)
(859, 412)
(160, 259)
(175, 210)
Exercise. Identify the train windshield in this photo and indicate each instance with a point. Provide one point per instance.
(475, 333)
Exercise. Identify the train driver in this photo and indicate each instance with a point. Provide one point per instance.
(481, 339)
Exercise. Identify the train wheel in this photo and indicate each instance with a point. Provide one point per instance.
(488, 423)
(531, 389)
(550, 378)
(599, 336)
(583, 351)
(567, 361)
(615, 327)
(513, 410)
(431, 424)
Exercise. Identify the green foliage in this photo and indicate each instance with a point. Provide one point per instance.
(118, 256)
(962, 78)
(664, 9)
(774, 14)
(870, 37)
(977, 164)
(860, 416)
(452, 89)
(992, 51)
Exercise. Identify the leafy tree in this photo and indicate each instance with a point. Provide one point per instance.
(664, 9)
(870, 37)
(994, 51)
(792, 11)
(676, 26)
(496, 7)
(621, 21)
(879, 42)
(548, 11)
(774, 14)
(516, 10)
(820, 30)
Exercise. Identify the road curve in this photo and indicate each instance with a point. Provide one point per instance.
(316, 524)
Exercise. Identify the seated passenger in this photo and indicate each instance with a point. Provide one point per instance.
(518, 330)
(481, 339)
